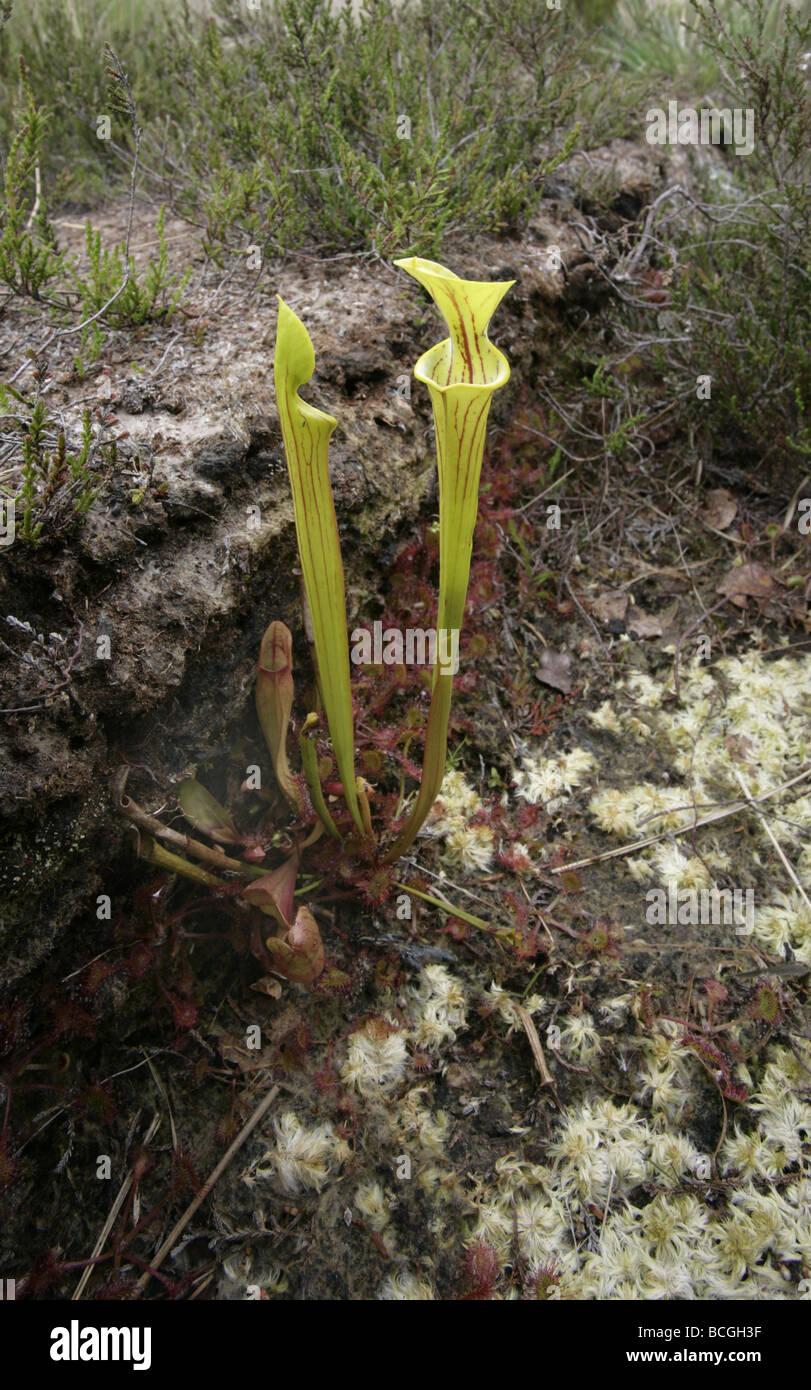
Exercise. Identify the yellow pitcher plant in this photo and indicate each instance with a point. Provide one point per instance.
(306, 433)
(461, 373)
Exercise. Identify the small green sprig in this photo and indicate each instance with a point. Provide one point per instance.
(29, 257)
(47, 466)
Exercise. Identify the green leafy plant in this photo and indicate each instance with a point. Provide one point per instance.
(299, 122)
(373, 129)
(63, 46)
(729, 282)
(461, 373)
(29, 256)
(112, 280)
(48, 469)
(153, 295)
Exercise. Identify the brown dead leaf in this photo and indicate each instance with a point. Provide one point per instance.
(233, 1049)
(268, 985)
(720, 509)
(738, 747)
(642, 625)
(555, 670)
(749, 581)
(799, 610)
(671, 624)
(610, 606)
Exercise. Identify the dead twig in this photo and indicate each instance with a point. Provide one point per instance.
(720, 814)
(547, 1079)
(113, 1214)
(179, 1228)
(750, 801)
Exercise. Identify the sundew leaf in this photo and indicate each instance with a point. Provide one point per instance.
(205, 813)
(461, 374)
(306, 433)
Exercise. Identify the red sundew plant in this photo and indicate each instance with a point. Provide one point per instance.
(329, 806)
(481, 1271)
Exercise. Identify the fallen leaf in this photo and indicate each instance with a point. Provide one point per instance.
(738, 747)
(641, 625)
(268, 985)
(748, 581)
(720, 509)
(555, 670)
(233, 1049)
(610, 605)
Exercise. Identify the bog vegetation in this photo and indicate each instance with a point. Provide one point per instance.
(297, 127)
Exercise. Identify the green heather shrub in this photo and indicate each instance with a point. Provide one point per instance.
(383, 130)
(737, 256)
(29, 257)
(48, 466)
(748, 293)
(136, 299)
(304, 123)
(62, 44)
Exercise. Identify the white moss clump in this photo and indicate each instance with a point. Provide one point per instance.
(540, 1224)
(583, 1219)
(552, 781)
(616, 812)
(647, 693)
(377, 1059)
(605, 718)
(471, 847)
(783, 1118)
(672, 866)
(441, 1005)
(659, 1085)
(405, 1287)
(673, 1154)
(416, 1121)
(373, 1205)
(504, 1004)
(786, 921)
(741, 714)
(467, 846)
(456, 801)
(601, 1146)
(302, 1157)
(579, 1037)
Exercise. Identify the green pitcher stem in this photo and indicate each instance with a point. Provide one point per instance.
(433, 767)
